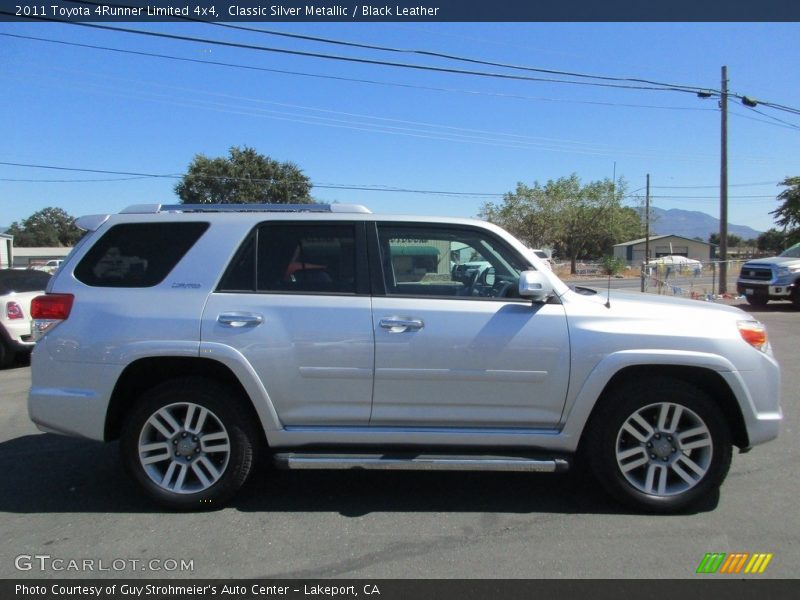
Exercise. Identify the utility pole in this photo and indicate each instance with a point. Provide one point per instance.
(723, 187)
(647, 222)
(645, 272)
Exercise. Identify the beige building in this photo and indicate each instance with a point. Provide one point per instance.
(633, 252)
(27, 257)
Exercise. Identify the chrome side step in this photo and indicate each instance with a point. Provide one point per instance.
(419, 462)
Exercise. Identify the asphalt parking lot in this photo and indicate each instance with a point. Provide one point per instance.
(68, 499)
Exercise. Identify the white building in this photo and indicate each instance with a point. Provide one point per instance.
(6, 250)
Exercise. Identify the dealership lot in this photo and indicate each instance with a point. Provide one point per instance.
(69, 501)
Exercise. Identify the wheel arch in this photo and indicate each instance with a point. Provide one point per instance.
(146, 373)
(707, 380)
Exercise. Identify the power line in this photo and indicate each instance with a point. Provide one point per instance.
(757, 120)
(553, 145)
(353, 79)
(71, 180)
(349, 59)
(781, 121)
(691, 187)
(501, 136)
(361, 187)
(428, 53)
(657, 87)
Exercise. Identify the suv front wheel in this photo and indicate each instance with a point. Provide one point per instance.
(660, 444)
(189, 444)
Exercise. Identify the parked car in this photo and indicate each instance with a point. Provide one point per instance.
(774, 278)
(544, 256)
(48, 266)
(328, 337)
(17, 289)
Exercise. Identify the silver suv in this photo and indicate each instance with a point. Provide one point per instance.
(327, 337)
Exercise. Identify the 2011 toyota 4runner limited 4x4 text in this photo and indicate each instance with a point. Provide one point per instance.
(328, 337)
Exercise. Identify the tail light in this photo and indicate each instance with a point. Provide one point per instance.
(52, 306)
(14, 311)
(48, 311)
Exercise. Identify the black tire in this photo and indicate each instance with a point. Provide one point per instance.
(217, 473)
(619, 456)
(7, 355)
(756, 300)
(795, 297)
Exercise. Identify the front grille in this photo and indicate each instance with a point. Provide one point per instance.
(756, 273)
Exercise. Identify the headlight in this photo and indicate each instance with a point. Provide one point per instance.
(785, 271)
(754, 333)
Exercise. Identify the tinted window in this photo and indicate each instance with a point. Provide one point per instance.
(282, 257)
(22, 281)
(137, 254)
(241, 273)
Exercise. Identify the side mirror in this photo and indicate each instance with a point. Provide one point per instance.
(535, 285)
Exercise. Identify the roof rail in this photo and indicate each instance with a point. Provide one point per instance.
(156, 208)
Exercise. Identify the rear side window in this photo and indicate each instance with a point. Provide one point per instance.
(301, 258)
(137, 255)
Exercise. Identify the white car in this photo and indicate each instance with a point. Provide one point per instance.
(50, 266)
(17, 289)
(328, 337)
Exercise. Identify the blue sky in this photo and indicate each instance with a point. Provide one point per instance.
(81, 108)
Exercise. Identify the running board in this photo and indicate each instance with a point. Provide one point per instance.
(419, 462)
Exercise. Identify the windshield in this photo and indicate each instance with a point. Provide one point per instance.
(792, 252)
(22, 281)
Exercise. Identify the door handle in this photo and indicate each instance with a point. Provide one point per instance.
(401, 324)
(236, 319)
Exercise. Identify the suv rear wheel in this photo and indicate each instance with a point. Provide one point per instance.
(189, 444)
(660, 444)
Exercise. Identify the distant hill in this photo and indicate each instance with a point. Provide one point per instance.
(692, 224)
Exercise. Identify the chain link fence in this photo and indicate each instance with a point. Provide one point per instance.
(700, 280)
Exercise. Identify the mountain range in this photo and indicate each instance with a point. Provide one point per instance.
(692, 224)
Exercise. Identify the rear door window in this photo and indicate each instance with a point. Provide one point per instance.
(297, 258)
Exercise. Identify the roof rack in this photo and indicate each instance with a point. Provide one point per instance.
(184, 208)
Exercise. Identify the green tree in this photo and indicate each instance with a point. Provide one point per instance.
(772, 241)
(787, 215)
(47, 227)
(734, 241)
(612, 265)
(244, 177)
(579, 220)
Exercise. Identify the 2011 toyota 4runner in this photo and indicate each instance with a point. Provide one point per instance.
(203, 336)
